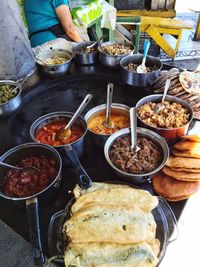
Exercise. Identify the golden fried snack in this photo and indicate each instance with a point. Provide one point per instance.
(78, 191)
(110, 223)
(173, 189)
(193, 138)
(187, 153)
(183, 176)
(185, 170)
(188, 145)
(180, 162)
(117, 196)
(112, 255)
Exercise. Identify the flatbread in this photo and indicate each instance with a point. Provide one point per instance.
(78, 191)
(193, 138)
(110, 223)
(173, 189)
(180, 162)
(190, 82)
(117, 196)
(183, 176)
(186, 154)
(112, 255)
(185, 170)
(188, 145)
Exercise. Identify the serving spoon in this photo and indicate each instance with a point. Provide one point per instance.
(107, 123)
(64, 132)
(25, 170)
(159, 106)
(142, 68)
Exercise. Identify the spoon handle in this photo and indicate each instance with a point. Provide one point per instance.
(133, 125)
(9, 166)
(84, 103)
(167, 85)
(146, 49)
(109, 101)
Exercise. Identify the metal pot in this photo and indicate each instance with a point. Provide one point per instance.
(100, 139)
(137, 178)
(111, 61)
(12, 157)
(58, 69)
(170, 134)
(140, 79)
(85, 59)
(73, 150)
(14, 103)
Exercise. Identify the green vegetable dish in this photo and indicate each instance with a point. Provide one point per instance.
(6, 93)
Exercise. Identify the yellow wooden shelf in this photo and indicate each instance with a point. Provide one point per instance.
(151, 13)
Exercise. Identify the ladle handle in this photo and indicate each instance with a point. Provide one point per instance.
(146, 49)
(86, 100)
(21, 83)
(109, 101)
(34, 231)
(9, 166)
(167, 85)
(133, 125)
(97, 38)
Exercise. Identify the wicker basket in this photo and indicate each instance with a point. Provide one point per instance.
(154, 49)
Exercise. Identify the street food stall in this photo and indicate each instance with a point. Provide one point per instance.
(100, 155)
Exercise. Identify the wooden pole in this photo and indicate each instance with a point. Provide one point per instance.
(16, 56)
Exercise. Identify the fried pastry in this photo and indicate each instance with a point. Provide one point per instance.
(183, 163)
(117, 196)
(173, 189)
(193, 138)
(110, 223)
(186, 153)
(112, 255)
(78, 191)
(188, 145)
(183, 176)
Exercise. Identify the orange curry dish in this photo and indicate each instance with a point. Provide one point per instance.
(120, 121)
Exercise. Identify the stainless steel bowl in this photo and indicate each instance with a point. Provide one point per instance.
(157, 139)
(100, 139)
(58, 69)
(14, 103)
(88, 58)
(111, 61)
(170, 134)
(140, 79)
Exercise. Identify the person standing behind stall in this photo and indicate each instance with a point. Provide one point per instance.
(48, 20)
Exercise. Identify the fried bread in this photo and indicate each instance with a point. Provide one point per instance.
(112, 255)
(110, 223)
(183, 176)
(173, 189)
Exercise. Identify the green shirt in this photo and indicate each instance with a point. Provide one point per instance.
(40, 14)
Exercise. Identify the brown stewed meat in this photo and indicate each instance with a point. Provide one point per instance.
(145, 160)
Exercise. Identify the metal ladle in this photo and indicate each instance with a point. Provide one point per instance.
(25, 170)
(107, 123)
(133, 126)
(64, 132)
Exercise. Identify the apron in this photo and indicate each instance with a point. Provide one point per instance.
(57, 30)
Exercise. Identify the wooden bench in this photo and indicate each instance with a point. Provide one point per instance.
(156, 26)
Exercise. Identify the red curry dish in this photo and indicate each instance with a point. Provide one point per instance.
(19, 184)
(47, 133)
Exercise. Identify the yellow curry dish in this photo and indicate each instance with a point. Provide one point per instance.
(96, 124)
